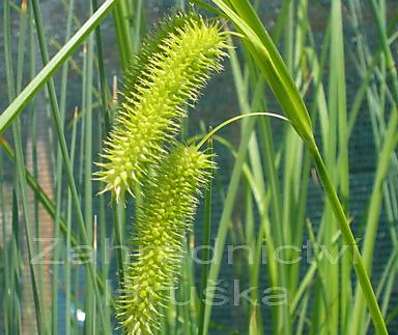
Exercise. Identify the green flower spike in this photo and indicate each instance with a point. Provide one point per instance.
(169, 204)
(167, 76)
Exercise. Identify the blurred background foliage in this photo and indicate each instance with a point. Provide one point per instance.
(340, 55)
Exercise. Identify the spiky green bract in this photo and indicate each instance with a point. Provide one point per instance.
(153, 108)
(169, 204)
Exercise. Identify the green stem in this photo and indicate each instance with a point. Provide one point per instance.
(350, 240)
(234, 119)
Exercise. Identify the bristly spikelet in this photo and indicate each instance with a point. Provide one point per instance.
(169, 204)
(153, 106)
(152, 45)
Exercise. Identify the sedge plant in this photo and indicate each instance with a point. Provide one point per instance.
(272, 176)
(163, 79)
(168, 73)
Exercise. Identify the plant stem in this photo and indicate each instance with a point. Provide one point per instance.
(359, 266)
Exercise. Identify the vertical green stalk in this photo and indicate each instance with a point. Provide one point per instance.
(387, 149)
(103, 87)
(121, 18)
(138, 20)
(280, 313)
(104, 120)
(337, 142)
(88, 188)
(375, 202)
(21, 185)
(7, 303)
(10, 303)
(206, 244)
(59, 180)
(357, 259)
(33, 122)
(55, 113)
(68, 266)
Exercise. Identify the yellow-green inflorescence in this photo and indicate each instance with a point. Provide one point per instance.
(169, 203)
(165, 77)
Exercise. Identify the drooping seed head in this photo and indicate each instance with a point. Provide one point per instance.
(167, 76)
(169, 204)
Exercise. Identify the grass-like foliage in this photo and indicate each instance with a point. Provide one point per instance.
(298, 267)
(169, 204)
(166, 76)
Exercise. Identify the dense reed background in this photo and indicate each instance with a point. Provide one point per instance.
(266, 233)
